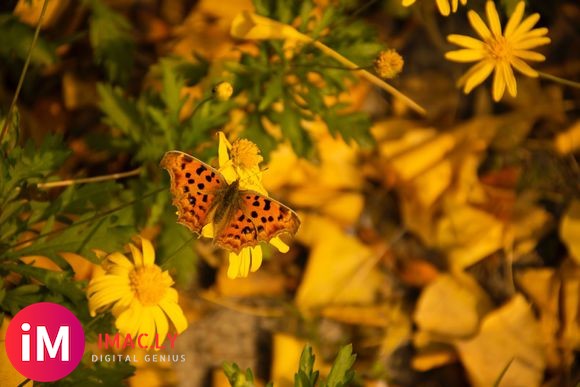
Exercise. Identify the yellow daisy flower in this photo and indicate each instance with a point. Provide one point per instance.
(139, 294)
(499, 51)
(240, 161)
(445, 6)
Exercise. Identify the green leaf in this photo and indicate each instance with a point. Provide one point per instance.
(306, 376)
(16, 41)
(351, 127)
(89, 232)
(170, 93)
(19, 297)
(59, 282)
(237, 377)
(341, 374)
(289, 121)
(96, 374)
(120, 112)
(272, 93)
(110, 37)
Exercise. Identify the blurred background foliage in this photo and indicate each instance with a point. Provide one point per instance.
(445, 248)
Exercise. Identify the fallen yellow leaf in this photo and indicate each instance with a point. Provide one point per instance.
(509, 337)
(570, 230)
(451, 306)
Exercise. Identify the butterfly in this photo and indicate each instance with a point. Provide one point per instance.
(241, 218)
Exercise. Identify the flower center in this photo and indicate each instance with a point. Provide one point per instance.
(245, 154)
(147, 284)
(498, 48)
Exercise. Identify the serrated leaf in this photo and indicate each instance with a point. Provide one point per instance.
(90, 232)
(306, 376)
(341, 374)
(120, 112)
(110, 37)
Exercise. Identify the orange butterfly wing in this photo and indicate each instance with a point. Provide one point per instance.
(258, 219)
(193, 187)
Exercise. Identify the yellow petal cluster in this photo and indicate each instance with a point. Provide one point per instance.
(444, 6)
(498, 51)
(138, 293)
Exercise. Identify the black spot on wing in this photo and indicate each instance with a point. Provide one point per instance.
(254, 214)
(201, 186)
(267, 204)
(187, 174)
(200, 170)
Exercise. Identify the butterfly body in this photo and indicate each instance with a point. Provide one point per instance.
(241, 218)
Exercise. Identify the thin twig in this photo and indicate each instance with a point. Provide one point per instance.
(89, 220)
(23, 73)
(96, 179)
(370, 77)
(563, 81)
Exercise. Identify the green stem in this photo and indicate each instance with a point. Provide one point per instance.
(96, 179)
(23, 73)
(92, 219)
(559, 80)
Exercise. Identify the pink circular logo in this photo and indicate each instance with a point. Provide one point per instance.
(45, 342)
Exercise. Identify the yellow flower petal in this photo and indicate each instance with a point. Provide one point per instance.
(515, 19)
(229, 172)
(248, 25)
(493, 18)
(535, 33)
(120, 260)
(531, 43)
(234, 262)
(256, 258)
(245, 262)
(279, 244)
(526, 25)
(509, 78)
(107, 281)
(147, 327)
(129, 321)
(148, 252)
(224, 147)
(478, 25)
(465, 55)
(443, 6)
(161, 324)
(407, 3)
(137, 255)
(479, 73)
(208, 231)
(465, 41)
(523, 67)
(529, 55)
(454, 5)
(175, 314)
(498, 85)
